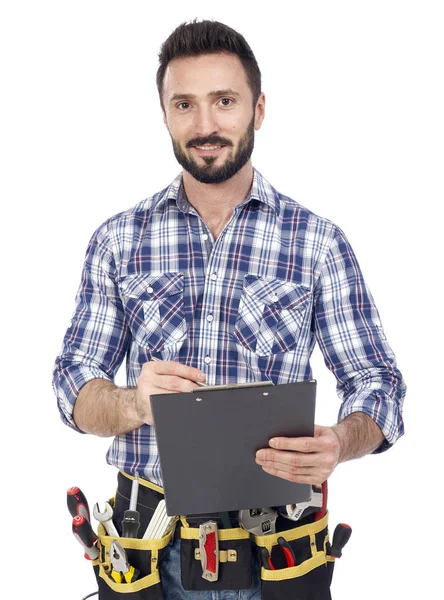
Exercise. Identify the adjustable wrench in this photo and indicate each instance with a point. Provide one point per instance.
(106, 518)
(259, 521)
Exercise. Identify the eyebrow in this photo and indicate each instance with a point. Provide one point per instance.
(213, 94)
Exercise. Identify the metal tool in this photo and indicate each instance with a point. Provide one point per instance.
(160, 522)
(259, 521)
(131, 517)
(77, 503)
(106, 518)
(122, 571)
(209, 550)
(84, 534)
(341, 536)
(295, 512)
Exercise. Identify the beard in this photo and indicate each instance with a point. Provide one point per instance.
(209, 172)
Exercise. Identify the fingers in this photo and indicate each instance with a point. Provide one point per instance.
(324, 440)
(302, 460)
(290, 459)
(174, 384)
(309, 476)
(312, 468)
(172, 370)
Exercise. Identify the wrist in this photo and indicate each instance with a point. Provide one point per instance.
(127, 402)
(339, 436)
(358, 435)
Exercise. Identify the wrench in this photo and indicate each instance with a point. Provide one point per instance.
(106, 518)
(259, 521)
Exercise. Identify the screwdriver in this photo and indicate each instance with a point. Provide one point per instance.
(131, 518)
(77, 503)
(341, 536)
(84, 534)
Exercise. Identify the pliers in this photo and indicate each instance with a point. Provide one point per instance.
(289, 555)
(122, 571)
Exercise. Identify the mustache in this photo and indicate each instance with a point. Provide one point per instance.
(213, 140)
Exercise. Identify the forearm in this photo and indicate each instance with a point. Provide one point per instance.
(103, 409)
(358, 435)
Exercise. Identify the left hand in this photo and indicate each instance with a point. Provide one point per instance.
(303, 459)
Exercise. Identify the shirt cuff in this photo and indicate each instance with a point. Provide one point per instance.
(382, 409)
(67, 384)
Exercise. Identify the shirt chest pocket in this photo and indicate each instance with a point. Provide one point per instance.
(154, 310)
(271, 315)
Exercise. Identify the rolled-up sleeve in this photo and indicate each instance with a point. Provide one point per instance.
(351, 337)
(95, 344)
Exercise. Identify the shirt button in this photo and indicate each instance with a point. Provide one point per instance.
(213, 276)
(207, 359)
(205, 236)
(150, 290)
(275, 298)
(210, 318)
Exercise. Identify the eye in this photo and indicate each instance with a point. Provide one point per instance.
(226, 101)
(183, 105)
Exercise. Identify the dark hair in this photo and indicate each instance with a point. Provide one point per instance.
(208, 37)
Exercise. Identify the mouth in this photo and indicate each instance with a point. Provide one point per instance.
(209, 149)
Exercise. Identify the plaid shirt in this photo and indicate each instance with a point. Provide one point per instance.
(246, 307)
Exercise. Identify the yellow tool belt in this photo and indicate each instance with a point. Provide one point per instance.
(308, 579)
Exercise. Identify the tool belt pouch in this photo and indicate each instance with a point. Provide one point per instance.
(145, 555)
(310, 577)
(234, 559)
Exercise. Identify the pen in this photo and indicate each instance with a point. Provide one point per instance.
(154, 359)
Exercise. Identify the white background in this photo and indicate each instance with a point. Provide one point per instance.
(353, 130)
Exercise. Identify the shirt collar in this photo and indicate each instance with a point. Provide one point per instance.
(260, 190)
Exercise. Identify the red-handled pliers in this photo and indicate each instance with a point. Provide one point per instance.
(289, 555)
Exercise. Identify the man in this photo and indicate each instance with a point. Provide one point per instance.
(224, 280)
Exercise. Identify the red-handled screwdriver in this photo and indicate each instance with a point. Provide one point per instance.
(77, 503)
(84, 534)
(341, 536)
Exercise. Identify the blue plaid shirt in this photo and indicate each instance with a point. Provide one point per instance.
(246, 307)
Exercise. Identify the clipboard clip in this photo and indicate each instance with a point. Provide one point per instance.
(232, 386)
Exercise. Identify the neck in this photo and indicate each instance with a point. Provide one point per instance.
(215, 201)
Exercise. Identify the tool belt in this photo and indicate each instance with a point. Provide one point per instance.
(145, 555)
(238, 552)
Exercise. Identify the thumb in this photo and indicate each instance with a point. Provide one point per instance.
(319, 430)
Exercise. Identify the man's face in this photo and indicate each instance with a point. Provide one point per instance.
(209, 115)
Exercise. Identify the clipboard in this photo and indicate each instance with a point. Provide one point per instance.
(207, 441)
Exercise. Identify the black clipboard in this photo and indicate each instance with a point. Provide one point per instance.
(207, 441)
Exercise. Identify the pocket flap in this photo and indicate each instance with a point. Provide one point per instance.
(151, 286)
(285, 294)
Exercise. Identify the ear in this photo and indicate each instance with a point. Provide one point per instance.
(259, 113)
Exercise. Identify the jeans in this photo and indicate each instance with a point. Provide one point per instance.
(172, 584)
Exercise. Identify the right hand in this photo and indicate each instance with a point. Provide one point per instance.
(163, 377)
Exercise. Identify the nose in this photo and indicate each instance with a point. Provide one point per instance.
(205, 122)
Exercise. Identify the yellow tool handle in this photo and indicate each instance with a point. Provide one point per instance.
(130, 575)
(117, 576)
